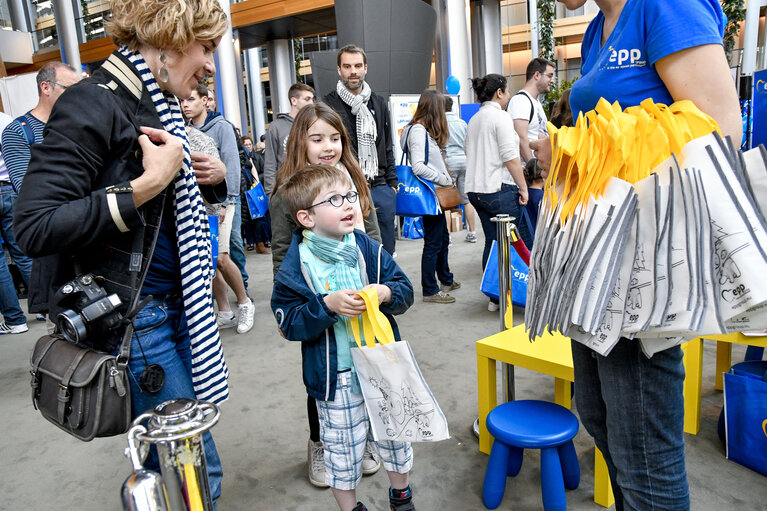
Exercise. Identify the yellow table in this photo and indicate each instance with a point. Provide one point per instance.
(550, 354)
(693, 369)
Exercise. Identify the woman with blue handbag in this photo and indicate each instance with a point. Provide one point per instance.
(422, 139)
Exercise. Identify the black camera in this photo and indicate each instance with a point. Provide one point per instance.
(88, 309)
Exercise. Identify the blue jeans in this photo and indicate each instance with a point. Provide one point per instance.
(436, 239)
(236, 250)
(488, 205)
(633, 407)
(9, 302)
(385, 200)
(161, 337)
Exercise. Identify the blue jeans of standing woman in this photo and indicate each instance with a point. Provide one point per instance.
(488, 205)
(436, 239)
(9, 301)
(161, 337)
(633, 407)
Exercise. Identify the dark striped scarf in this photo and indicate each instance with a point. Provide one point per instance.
(209, 370)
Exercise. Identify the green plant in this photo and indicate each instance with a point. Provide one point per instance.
(299, 57)
(546, 29)
(735, 13)
(557, 89)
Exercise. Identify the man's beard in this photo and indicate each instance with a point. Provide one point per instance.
(348, 84)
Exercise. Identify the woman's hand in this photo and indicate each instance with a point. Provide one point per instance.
(345, 302)
(208, 169)
(384, 292)
(163, 156)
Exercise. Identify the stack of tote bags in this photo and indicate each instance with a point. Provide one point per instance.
(652, 227)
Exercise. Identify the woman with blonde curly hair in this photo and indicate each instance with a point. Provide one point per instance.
(114, 191)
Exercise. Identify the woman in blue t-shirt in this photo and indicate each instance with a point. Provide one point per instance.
(632, 405)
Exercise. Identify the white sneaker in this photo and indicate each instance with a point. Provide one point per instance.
(471, 237)
(245, 317)
(12, 329)
(492, 306)
(224, 320)
(371, 461)
(316, 461)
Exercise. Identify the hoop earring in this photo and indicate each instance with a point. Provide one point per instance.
(163, 72)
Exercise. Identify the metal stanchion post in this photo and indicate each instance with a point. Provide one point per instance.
(504, 225)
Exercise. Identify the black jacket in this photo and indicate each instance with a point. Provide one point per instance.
(77, 199)
(387, 172)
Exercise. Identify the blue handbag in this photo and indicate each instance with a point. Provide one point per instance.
(745, 412)
(258, 203)
(415, 197)
(213, 227)
(412, 227)
(519, 274)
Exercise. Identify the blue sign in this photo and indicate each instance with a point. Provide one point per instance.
(759, 109)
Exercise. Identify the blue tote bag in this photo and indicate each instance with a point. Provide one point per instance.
(412, 228)
(213, 225)
(415, 197)
(258, 203)
(745, 412)
(519, 273)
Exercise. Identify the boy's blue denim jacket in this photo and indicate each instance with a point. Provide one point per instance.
(302, 315)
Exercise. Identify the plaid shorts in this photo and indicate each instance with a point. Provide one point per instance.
(344, 430)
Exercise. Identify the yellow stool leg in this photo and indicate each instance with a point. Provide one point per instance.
(693, 367)
(723, 361)
(562, 393)
(603, 491)
(487, 398)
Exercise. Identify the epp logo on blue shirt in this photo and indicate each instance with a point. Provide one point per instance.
(625, 58)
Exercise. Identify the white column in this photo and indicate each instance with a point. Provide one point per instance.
(459, 51)
(282, 73)
(18, 17)
(487, 53)
(532, 7)
(67, 31)
(240, 84)
(228, 72)
(751, 36)
(255, 92)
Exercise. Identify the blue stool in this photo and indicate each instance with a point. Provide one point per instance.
(519, 425)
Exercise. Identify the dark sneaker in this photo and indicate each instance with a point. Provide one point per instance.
(440, 297)
(401, 500)
(360, 507)
(450, 287)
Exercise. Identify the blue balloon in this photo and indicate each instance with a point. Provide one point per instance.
(452, 85)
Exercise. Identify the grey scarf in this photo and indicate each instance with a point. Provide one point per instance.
(366, 127)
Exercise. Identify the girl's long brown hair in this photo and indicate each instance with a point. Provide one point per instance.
(295, 150)
(430, 113)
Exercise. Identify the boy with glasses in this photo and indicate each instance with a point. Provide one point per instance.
(315, 297)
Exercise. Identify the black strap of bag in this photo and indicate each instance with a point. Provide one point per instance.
(532, 106)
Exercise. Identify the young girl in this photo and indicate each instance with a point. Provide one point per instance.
(318, 137)
(535, 181)
(428, 131)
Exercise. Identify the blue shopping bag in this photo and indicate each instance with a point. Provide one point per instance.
(213, 227)
(519, 273)
(412, 227)
(258, 203)
(745, 413)
(415, 197)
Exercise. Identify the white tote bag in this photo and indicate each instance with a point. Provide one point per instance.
(398, 401)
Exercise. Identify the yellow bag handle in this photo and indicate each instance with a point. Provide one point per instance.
(375, 324)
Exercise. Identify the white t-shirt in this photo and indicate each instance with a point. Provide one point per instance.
(519, 108)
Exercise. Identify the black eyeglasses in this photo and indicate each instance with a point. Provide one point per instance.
(59, 84)
(337, 200)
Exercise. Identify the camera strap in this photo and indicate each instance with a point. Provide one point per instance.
(134, 268)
